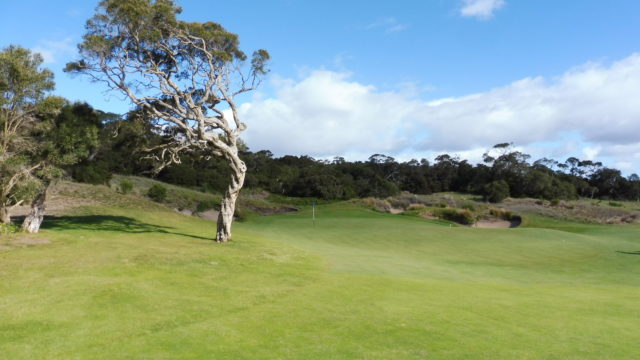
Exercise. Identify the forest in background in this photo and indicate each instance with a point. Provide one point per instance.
(126, 146)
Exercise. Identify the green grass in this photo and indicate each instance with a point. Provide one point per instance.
(120, 283)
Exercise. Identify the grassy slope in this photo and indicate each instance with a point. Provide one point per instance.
(120, 283)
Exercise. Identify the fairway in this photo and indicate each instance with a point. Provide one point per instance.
(119, 283)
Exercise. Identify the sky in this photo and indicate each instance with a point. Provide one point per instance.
(409, 79)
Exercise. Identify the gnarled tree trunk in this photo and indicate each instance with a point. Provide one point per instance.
(33, 221)
(228, 206)
(5, 218)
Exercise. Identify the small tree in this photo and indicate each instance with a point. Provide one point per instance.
(187, 74)
(67, 134)
(157, 193)
(23, 85)
(496, 191)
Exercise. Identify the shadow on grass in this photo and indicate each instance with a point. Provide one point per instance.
(629, 252)
(108, 223)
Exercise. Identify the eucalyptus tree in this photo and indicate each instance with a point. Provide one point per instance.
(23, 86)
(186, 74)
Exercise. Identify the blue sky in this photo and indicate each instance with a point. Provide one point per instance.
(408, 78)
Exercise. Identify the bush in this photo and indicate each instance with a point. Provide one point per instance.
(92, 174)
(9, 229)
(469, 206)
(465, 217)
(440, 204)
(125, 186)
(496, 191)
(415, 207)
(377, 204)
(501, 214)
(205, 205)
(157, 193)
(615, 204)
(554, 202)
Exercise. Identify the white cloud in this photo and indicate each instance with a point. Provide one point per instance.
(54, 50)
(326, 114)
(591, 111)
(595, 101)
(389, 24)
(482, 9)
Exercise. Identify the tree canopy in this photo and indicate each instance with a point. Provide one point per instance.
(23, 86)
(184, 74)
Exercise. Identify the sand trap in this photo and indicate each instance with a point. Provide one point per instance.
(497, 224)
(396, 210)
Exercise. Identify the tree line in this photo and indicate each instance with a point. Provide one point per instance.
(44, 137)
(503, 172)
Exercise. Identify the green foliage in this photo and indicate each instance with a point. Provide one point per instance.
(464, 216)
(207, 204)
(615, 204)
(157, 193)
(125, 186)
(22, 82)
(496, 191)
(8, 229)
(554, 202)
(469, 206)
(23, 85)
(92, 173)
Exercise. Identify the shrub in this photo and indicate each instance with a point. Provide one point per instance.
(469, 206)
(465, 217)
(554, 202)
(399, 202)
(539, 202)
(125, 186)
(496, 191)
(91, 174)
(615, 204)
(9, 229)
(157, 193)
(415, 207)
(501, 214)
(239, 214)
(440, 204)
(205, 205)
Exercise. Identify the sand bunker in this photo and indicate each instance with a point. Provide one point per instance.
(497, 223)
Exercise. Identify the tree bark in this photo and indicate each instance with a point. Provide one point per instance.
(5, 218)
(33, 221)
(228, 206)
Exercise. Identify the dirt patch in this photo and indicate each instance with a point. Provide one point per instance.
(209, 215)
(183, 211)
(31, 241)
(60, 198)
(394, 210)
(22, 241)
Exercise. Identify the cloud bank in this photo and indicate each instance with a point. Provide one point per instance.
(325, 114)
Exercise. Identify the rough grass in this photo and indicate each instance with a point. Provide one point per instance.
(143, 282)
